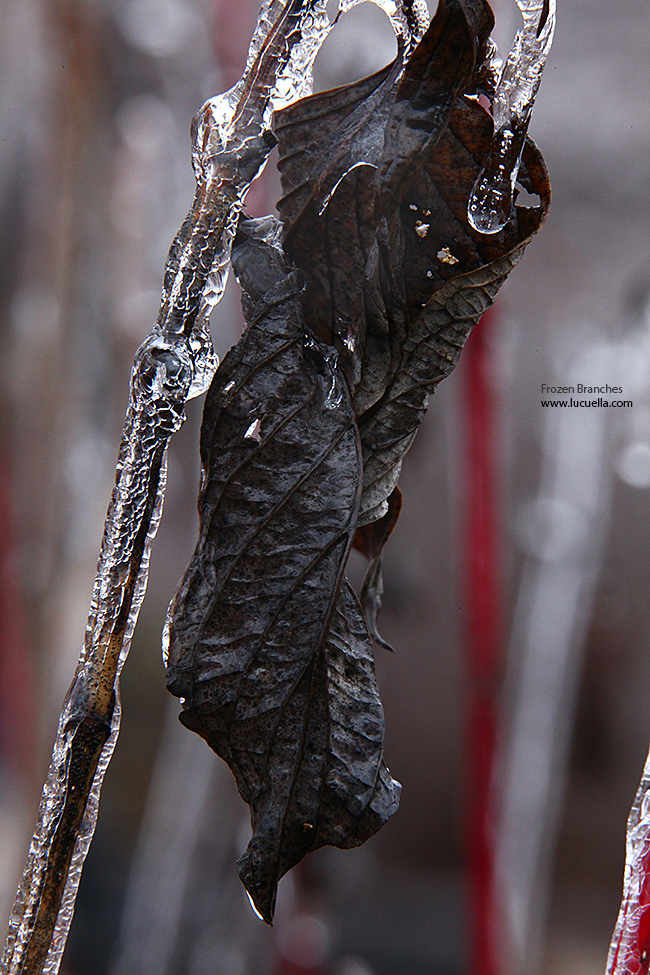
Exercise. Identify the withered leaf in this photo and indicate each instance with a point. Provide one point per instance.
(393, 235)
(449, 275)
(307, 423)
(341, 153)
(330, 145)
(268, 646)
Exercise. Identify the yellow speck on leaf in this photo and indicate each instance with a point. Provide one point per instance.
(446, 256)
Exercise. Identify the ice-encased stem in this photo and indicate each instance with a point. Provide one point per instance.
(231, 141)
(490, 203)
(162, 378)
(630, 946)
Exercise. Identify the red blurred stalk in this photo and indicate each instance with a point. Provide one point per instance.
(17, 742)
(483, 632)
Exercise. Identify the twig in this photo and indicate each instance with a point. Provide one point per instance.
(231, 141)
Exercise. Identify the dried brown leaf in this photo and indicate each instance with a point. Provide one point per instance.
(268, 647)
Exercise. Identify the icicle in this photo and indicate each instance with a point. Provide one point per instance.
(491, 199)
(630, 946)
(279, 67)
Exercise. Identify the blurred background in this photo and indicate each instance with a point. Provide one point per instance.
(96, 98)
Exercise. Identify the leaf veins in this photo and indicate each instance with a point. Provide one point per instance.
(351, 324)
(268, 647)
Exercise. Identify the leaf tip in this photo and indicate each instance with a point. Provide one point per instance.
(260, 888)
(268, 919)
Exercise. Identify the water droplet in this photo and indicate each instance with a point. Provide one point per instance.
(490, 202)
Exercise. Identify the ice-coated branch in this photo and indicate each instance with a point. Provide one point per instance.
(176, 362)
(164, 375)
(630, 946)
(231, 140)
(491, 199)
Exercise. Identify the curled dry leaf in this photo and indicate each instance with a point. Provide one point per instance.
(268, 646)
(400, 276)
(356, 308)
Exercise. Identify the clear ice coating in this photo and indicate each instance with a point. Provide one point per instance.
(231, 141)
(630, 945)
(491, 199)
(168, 369)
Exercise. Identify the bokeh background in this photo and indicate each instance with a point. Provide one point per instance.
(96, 98)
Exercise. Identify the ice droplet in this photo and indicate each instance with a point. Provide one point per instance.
(333, 190)
(490, 203)
(166, 632)
(252, 904)
(204, 358)
(326, 362)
